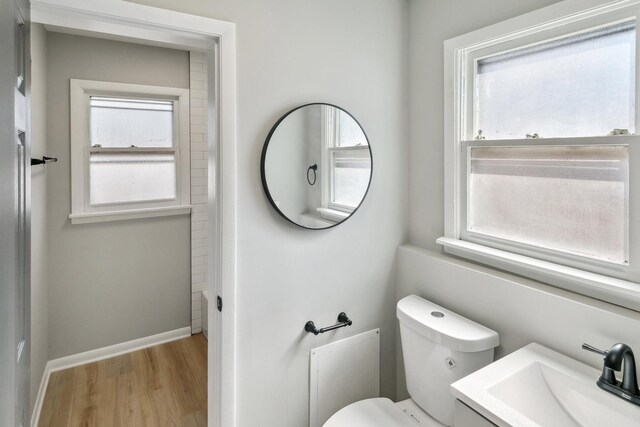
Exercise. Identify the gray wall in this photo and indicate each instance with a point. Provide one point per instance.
(290, 52)
(39, 282)
(115, 281)
(431, 22)
(520, 310)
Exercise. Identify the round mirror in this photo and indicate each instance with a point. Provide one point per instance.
(316, 166)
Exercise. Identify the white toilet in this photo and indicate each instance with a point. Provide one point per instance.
(439, 348)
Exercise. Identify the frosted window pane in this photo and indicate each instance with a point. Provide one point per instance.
(351, 173)
(117, 178)
(350, 133)
(121, 122)
(572, 199)
(582, 85)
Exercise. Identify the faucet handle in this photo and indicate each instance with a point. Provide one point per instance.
(593, 349)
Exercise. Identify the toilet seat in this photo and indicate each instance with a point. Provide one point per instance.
(376, 412)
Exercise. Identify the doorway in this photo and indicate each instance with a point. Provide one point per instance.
(118, 20)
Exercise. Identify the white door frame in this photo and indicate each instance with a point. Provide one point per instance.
(120, 20)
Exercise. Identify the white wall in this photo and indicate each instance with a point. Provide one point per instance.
(284, 169)
(39, 282)
(290, 52)
(115, 281)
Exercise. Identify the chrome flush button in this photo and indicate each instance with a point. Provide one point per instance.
(437, 314)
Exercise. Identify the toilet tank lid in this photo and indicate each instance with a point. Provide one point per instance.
(444, 326)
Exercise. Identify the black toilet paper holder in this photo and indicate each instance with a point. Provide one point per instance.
(343, 321)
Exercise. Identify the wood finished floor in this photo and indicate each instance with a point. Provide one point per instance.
(165, 385)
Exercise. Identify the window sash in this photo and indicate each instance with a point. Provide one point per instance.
(167, 98)
(627, 270)
(359, 151)
(132, 151)
(542, 35)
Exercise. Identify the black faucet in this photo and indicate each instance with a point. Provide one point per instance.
(613, 358)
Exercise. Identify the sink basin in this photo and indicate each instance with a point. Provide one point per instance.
(536, 386)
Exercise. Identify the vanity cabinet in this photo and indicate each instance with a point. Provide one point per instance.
(467, 417)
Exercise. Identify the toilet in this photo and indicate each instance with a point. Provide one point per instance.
(439, 347)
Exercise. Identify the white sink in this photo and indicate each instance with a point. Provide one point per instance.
(536, 386)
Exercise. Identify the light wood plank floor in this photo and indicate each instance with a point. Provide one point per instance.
(165, 385)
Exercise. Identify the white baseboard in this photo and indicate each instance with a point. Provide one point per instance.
(100, 354)
(35, 417)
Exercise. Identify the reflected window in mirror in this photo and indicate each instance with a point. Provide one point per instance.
(316, 166)
(346, 164)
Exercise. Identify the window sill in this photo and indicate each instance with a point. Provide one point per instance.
(332, 214)
(616, 291)
(88, 218)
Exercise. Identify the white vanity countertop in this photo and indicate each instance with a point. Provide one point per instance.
(536, 386)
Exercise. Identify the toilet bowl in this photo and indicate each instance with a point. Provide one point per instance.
(439, 347)
(381, 411)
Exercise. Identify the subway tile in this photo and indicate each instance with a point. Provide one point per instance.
(198, 128)
(197, 225)
(199, 111)
(197, 172)
(197, 75)
(197, 269)
(198, 260)
(198, 243)
(200, 198)
(200, 146)
(198, 102)
(200, 252)
(197, 56)
(199, 164)
(198, 94)
(198, 190)
(196, 182)
(200, 216)
(200, 286)
(201, 208)
(197, 138)
(196, 67)
(198, 85)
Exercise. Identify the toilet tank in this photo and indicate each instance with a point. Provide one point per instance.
(440, 347)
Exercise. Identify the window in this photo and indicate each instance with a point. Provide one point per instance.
(540, 149)
(347, 162)
(130, 151)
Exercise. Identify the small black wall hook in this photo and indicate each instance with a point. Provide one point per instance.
(343, 321)
(43, 161)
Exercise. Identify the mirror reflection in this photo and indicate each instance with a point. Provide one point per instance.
(316, 166)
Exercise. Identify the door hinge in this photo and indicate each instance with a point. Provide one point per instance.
(219, 303)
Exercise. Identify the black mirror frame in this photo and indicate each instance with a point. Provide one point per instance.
(263, 157)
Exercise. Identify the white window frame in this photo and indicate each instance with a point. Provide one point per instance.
(330, 132)
(612, 282)
(82, 211)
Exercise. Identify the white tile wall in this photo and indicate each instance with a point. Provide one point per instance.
(199, 221)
